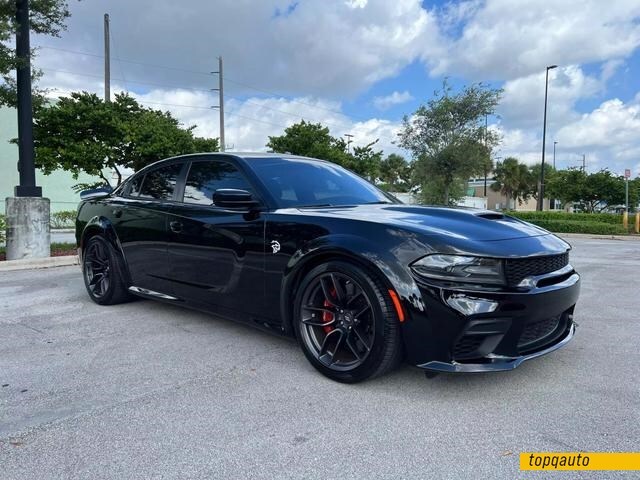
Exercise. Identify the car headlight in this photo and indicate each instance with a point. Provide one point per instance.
(460, 268)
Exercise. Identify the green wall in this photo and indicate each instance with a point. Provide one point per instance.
(56, 187)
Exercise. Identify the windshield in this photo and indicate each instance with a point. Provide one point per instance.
(313, 183)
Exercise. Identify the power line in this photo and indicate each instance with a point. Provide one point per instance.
(243, 84)
(144, 64)
(152, 84)
(237, 82)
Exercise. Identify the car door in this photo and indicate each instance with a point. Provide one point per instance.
(140, 219)
(216, 255)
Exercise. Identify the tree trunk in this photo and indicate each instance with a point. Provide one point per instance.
(446, 194)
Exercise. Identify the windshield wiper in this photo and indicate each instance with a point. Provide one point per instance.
(381, 202)
(316, 205)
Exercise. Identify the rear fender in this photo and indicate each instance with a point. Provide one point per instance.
(100, 225)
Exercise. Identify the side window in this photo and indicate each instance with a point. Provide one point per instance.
(206, 177)
(159, 184)
(134, 188)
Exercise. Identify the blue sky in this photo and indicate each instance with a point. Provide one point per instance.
(358, 66)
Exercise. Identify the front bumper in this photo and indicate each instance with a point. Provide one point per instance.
(493, 330)
(496, 363)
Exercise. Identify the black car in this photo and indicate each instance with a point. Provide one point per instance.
(307, 249)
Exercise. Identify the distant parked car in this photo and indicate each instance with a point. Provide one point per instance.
(305, 248)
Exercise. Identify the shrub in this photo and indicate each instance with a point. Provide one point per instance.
(609, 218)
(63, 219)
(3, 227)
(579, 226)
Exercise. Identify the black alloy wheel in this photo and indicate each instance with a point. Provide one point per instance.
(103, 273)
(346, 323)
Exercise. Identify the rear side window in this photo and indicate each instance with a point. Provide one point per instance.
(206, 177)
(159, 184)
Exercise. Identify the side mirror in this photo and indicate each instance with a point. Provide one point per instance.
(233, 198)
(96, 192)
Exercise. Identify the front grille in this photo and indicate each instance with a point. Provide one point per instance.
(466, 345)
(517, 269)
(536, 331)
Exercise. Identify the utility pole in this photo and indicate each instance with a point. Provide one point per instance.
(221, 92)
(349, 137)
(220, 105)
(554, 154)
(107, 61)
(28, 234)
(584, 163)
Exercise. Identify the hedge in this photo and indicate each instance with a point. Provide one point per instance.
(609, 218)
(579, 226)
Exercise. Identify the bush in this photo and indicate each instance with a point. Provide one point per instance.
(3, 227)
(579, 226)
(609, 218)
(63, 219)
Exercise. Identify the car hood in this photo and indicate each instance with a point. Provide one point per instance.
(459, 222)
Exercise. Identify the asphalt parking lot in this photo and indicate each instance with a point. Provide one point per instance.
(147, 390)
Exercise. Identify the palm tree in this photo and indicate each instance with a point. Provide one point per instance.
(512, 180)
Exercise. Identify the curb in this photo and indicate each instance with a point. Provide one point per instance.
(593, 236)
(29, 263)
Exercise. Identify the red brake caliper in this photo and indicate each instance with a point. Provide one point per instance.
(328, 316)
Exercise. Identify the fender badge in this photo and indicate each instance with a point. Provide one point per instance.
(275, 245)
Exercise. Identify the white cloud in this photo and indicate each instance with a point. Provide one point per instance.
(505, 39)
(316, 53)
(522, 104)
(395, 98)
(609, 136)
(330, 49)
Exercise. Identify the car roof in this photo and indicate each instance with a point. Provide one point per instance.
(239, 155)
(266, 155)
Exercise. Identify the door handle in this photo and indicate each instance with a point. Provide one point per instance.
(117, 212)
(176, 227)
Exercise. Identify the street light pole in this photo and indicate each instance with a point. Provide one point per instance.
(27, 213)
(26, 164)
(554, 154)
(544, 138)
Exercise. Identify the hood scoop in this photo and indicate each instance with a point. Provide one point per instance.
(490, 215)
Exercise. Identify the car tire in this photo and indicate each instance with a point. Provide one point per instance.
(346, 323)
(104, 272)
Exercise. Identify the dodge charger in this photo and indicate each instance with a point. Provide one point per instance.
(307, 249)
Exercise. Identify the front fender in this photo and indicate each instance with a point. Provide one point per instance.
(374, 256)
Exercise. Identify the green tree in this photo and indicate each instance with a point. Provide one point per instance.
(308, 140)
(365, 161)
(566, 185)
(595, 191)
(601, 190)
(82, 133)
(47, 17)
(314, 140)
(395, 173)
(513, 180)
(534, 174)
(448, 137)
